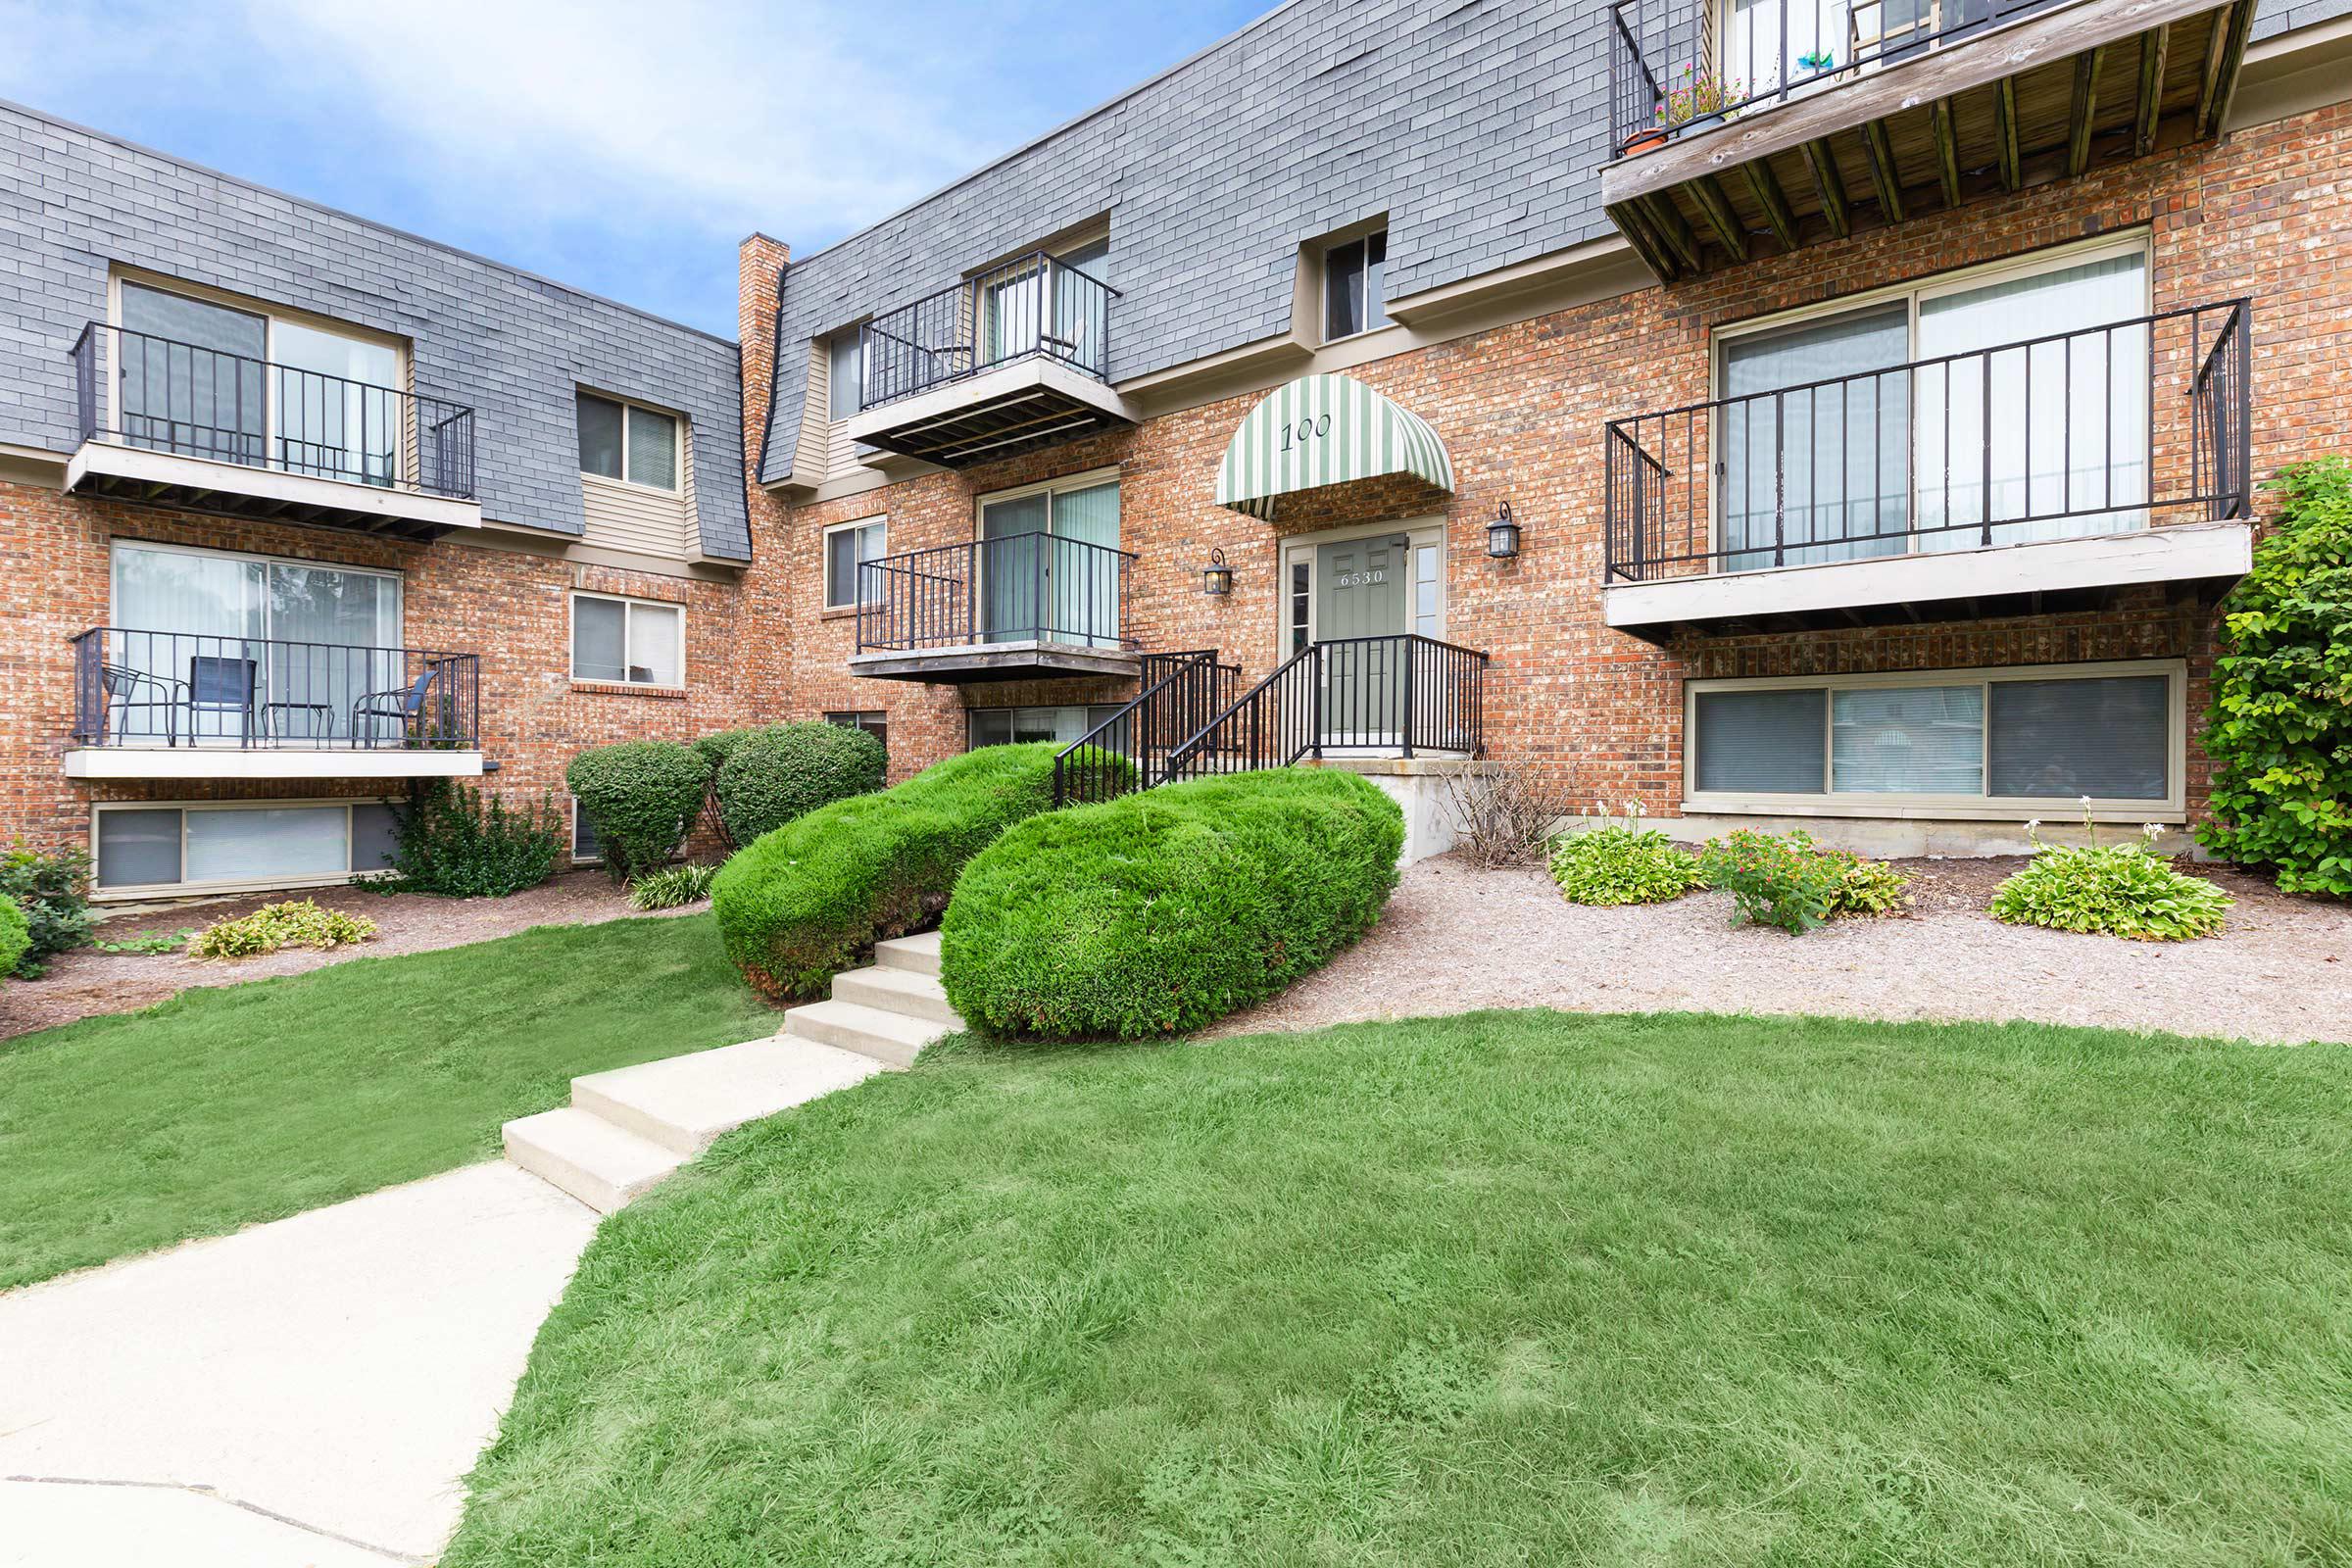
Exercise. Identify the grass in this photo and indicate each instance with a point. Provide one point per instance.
(1505, 1289)
(224, 1107)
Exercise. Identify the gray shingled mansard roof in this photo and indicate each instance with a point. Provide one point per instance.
(1475, 126)
(512, 346)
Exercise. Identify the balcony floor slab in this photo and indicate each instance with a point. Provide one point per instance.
(201, 484)
(1009, 661)
(269, 763)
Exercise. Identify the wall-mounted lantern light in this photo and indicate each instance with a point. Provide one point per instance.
(1502, 535)
(1216, 577)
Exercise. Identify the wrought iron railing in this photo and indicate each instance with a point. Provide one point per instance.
(1035, 305)
(1179, 694)
(162, 395)
(1681, 66)
(2074, 434)
(1402, 693)
(170, 689)
(1024, 587)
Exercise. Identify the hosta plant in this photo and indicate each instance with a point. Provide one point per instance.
(671, 886)
(1609, 861)
(2124, 890)
(1788, 881)
(295, 923)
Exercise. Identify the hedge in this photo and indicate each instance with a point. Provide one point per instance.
(1163, 910)
(772, 775)
(641, 797)
(798, 905)
(16, 935)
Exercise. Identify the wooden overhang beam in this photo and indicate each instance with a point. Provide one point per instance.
(2154, 46)
(1947, 151)
(1829, 186)
(1712, 200)
(1765, 185)
(1886, 181)
(2227, 52)
(2086, 107)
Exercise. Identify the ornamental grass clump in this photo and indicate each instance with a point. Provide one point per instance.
(672, 885)
(1788, 881)
(295, 923)
(1609, 862)
(2123, 889)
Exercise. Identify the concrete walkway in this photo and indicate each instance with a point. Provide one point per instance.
(309, 1391)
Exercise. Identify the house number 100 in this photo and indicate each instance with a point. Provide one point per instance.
(1299, 435)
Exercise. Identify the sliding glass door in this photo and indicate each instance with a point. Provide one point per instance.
(1039, 580)
(1815, 447)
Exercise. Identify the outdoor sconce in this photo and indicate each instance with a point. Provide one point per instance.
(1216, 577)
(1502, 535)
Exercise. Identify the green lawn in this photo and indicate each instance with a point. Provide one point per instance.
(248, 1102)
(1509, 1289)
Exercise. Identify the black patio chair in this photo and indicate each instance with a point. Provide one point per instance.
(123, 687)
(219, 683)
(405, 703)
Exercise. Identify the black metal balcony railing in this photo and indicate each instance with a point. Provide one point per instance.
(2096, 431)
(1179, 694)
(1036, 305)
(163, 395)
(1684, 66)
(1401, 692)
(175, 689)
(1025, 587)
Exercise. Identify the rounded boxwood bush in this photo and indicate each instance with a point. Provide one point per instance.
(772, 775)
(715, 749)
(640, 797)
(798, 905)
(16, 935)
(1163, 910)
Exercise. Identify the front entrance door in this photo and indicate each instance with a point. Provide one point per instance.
(1361, 605)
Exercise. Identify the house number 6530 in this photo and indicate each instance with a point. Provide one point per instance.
(1295, 436)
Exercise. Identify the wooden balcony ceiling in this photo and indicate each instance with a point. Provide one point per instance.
(2039, 99)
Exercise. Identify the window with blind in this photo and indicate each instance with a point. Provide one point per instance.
(1960, 737)
(624, 441)
(628, 641)
(848, 547)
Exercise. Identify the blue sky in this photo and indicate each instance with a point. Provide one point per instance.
(621, 147)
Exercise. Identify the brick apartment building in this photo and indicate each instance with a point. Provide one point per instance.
(1851, 418)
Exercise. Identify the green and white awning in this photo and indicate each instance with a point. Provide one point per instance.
(1324, 430)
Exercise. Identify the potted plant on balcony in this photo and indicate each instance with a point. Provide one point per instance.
(1694, 95)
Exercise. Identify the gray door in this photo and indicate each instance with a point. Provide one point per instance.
(1360, 592)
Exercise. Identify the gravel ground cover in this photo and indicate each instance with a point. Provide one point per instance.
(1456, 939)
(86, 983)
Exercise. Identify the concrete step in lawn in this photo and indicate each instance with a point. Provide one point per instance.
(626, 1129)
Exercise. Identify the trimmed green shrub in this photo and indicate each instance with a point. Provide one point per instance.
(16, 935)
(715, 749)
(1611, 862)
(295, 923)
(1788, 881)
(53, 893)
(2280, 720)
(671, 886)
(1165, 909)
(772, 775)
(460, 843)
(640, 797)
(798, 906)
(2124, 890)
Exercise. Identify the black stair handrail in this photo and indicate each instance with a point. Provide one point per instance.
(1171, 704)
(1400, 689)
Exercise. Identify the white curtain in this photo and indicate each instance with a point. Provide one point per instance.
(339, 416)
(2057, 431)
(1819, 472)
(1086, 582)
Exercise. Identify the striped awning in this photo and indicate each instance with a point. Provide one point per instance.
(1323, 430)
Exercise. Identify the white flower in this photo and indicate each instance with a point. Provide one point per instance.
(2034, 825)
(2085, 800)
(2155, 830)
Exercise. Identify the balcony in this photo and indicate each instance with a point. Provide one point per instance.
(1028, 605)
(176, 424)
(2028, 477)
(1789, 121)
(157, 705)
(1003, 362)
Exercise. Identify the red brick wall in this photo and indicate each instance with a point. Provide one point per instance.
(2265, 214)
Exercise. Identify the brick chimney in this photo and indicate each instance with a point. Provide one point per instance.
(759, 265)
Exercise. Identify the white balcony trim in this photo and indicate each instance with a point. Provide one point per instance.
(268, 762)
(141, 466)
(988, 387)
(2186, 551)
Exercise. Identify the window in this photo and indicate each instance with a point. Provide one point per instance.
(250, 387)
(628, 442)
(873, 721)
(1012, 726)
(1049, 567)
(584, 846)
(1960, 737)
(1918, 428)
(1352, 286)
(845, 372)
(323, 636)
(277, 843)
(847, 548)
(630, 641)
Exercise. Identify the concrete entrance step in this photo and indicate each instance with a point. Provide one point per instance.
(905, 990)
(890, 1037)
(918, 954)
(587, 1157)
(684, 1103)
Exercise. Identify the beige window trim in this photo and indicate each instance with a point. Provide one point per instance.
(1987, 808)
(630, 606)
(1319, 257)
(825, 559)
(679, 433)
(184, 889)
